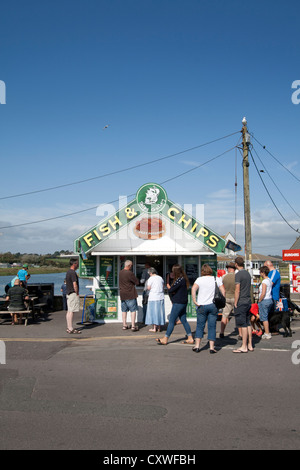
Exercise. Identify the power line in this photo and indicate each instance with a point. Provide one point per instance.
(198, 166)
(276, 159)
(119, 171)
(279, 190)
(258, 172)
(116, 200)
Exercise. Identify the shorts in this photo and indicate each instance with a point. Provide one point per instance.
(73, 301)
(129, 305)
(242, 315)
(265, 307)
(228, 309)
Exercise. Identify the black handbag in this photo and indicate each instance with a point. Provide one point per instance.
(219, 299)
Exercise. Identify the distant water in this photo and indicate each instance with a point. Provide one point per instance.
(56, 278)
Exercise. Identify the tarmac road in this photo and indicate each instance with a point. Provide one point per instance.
(112, 389)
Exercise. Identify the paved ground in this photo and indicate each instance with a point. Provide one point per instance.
(112, 389)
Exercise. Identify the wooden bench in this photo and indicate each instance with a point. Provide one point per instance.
(39, 309)
(25, 313)
(40, 306)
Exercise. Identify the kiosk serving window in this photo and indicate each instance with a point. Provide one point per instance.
(154, 261)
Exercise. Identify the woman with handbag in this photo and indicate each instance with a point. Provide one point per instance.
(205, 287)
(179, 292)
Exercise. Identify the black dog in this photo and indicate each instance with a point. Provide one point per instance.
(283, 319)
(292, 306)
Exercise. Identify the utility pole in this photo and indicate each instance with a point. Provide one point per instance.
(247, 216)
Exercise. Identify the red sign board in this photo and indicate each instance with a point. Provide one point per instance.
(290, 255)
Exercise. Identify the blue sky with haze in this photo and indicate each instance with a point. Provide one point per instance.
(166, 76)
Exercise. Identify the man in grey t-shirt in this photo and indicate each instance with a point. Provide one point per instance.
(243, 279)
(242, 304)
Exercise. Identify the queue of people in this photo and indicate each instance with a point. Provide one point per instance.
(251, 319)
(235, 286)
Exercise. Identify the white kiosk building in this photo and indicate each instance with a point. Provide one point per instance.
(149, 229)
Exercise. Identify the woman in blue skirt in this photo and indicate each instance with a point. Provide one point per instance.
(156, 301)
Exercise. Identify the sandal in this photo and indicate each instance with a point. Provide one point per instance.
(74, 332)
(134, 328)
(159, 341)
(125, 327)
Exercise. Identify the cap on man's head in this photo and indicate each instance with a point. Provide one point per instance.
(25, 265)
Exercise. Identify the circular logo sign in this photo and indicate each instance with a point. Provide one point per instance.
(151, 197)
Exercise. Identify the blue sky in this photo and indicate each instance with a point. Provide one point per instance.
(166, 76)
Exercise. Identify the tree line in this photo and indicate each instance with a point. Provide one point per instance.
(49, 259)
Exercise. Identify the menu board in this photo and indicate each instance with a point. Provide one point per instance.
(107, 271)
(106, 303)
(191, 268)
(191, 309)
(87, 267)
(296, 277)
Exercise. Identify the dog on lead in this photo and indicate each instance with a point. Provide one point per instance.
(280, 318)
(283, 318)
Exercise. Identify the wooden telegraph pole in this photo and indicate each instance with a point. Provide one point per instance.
(247, 216)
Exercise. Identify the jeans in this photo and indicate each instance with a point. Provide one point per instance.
(265, 307)
(178, 310)
(207, 313)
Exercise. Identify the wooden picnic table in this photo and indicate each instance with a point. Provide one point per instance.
(30, 309)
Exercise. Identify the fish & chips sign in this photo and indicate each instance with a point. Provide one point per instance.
(156, 209)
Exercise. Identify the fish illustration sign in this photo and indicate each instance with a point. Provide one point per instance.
(151, 199)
